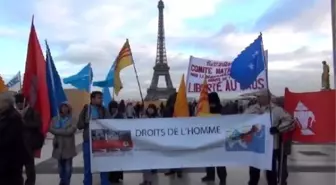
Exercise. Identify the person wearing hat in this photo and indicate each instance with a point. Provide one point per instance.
(215, 108)
(281, 122)
(32, 135)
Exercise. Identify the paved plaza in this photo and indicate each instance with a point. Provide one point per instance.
(235, 177)
(308, 165)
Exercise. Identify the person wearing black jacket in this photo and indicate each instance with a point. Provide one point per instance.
(168, 113)
(113, 109)
(151, 112)
(32, 135)
(215, 108)
(12, 146)
(94, 110)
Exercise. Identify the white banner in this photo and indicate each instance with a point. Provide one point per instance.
(163, 143)
(218, 77)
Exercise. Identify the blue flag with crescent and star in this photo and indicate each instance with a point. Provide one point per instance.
(247, 66)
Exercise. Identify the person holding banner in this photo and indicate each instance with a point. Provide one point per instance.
(32, 135)
(95, 110)
(281, 122)
(151, 112)
(215, 108)
(168, 113)
(113, 109)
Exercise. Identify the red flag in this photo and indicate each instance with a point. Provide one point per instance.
(35, 87)
(314, 115)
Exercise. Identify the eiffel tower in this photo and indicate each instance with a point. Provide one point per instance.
(161, 67)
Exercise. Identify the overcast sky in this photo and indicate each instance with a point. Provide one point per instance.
(296, 33)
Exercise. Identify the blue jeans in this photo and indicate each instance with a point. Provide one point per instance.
(87, 167)
(65, 171)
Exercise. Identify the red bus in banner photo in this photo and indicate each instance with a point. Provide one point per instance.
(218, 77)
(107, 141)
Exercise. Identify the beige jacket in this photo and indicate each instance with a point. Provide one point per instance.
(64, 146)
(280, 119)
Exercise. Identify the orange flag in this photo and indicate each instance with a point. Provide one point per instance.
(203, 106)
(181, 108)
(3, 86)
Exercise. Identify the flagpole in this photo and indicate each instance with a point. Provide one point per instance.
(137, 77)
(280, 167)
(265, 55)
(113, 94)
(333, 32)
(89, 104)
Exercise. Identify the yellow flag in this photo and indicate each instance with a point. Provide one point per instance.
(123, 60)
(207, 114)
(203, 106)
(3, 86)
(181, 108)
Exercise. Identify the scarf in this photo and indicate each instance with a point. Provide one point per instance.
(61, 122)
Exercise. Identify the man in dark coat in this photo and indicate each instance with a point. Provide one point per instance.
(97, 111)
(32, 136)
(114, 111)
(12, 146)
(215, 108)
(168, 113)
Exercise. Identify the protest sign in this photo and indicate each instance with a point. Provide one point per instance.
(218, 77)
(163, 143)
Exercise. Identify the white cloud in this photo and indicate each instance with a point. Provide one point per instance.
(5, 31)
(95, 32)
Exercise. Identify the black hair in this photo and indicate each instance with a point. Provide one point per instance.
(171, 100)
(94, 94)
(169, 109)
(112, 104)
(67, 105)
(214, 99)
(122, 106)
(162, 105)
(19, 98)
(155, 111)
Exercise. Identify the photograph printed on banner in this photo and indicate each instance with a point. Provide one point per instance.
(247, 138)
(105, 141)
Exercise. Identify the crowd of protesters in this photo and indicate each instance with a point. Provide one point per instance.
(20, 136)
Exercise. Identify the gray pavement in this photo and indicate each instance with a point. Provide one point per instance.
(235, 177)
(308, 165)
(304, 158)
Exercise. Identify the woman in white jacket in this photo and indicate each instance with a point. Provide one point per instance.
(130, 112)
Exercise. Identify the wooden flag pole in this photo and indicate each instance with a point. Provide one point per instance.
(113, 94)
(137, 78)
(282, 153)
(265, 55)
